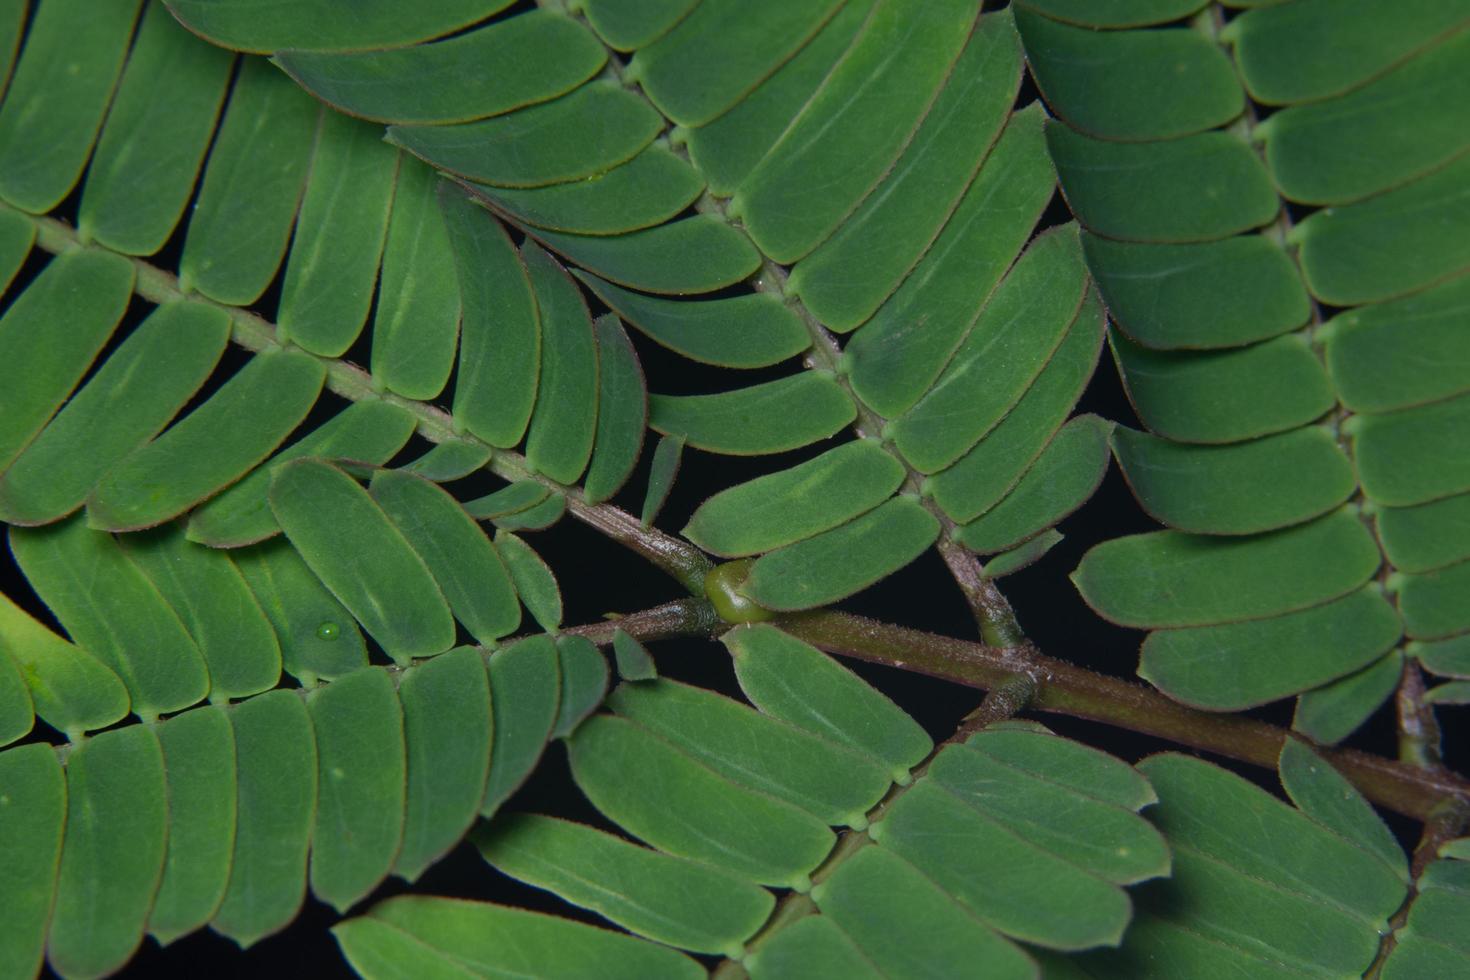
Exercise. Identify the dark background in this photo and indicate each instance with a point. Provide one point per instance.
(598, 576)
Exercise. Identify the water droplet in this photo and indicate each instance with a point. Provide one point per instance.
(328, 631)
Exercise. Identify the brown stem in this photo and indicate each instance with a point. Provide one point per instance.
(1418, 728)
(1066, 689)
(694, 616)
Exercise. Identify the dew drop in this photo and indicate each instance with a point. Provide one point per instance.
(328, 631)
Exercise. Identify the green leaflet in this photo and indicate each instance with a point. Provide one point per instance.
(813, 947)
(353, 547)
(1268, 44)
(199, 766)
(1106, 83)
(584, 677)
(324, 25)
(365, 432)
(112, 854)
(151, 148)
(11, 28)
(360, 785)
(1427, 536)
(692, 255)
(1199, 188)
(1415, 455)
(54, 110)
(525, 691)
(71, 690)
(1218, 814)
(488, 940)
(1080, 768)
(750, 331)
(1167, 578)
(631, 24)
(1414, 234)
(1453, 693)
(1210, 294)
(1239, 665)
(848, 277)
(1331, 713)
(275, 757)
(728, 148)
(79, 573)
(592, 129)
(30, 848)
(518, 496)
(500, 342)
(461, 558)
(1433, 604)
(717, 53)
(537, 56)
(564, 419)
(788, 413)
(17, 236)
(450, 460)
(1224, 396)
(1402, 353)
(1455, 848)
(212, 447)
(1323, 794)
(855, 126)
(627, 772)
(1390, 131)
(1012, 339)
(379, 951)
(447, 728)
(317, 636)
(797, 683)
(1024, 891)
(1103, 837)
(145, 382)
(991, 469)
(836, 563)
(649, 189)
(533, 579)
(537, 517)
(634, 662)
(17, 714)
(1447, 657)
(1124, 13)
(662, 471)
(667, 899)
(1066, 473)
(879, 901)
(416, 321)
(831, 782)
(333, 266)
(890, 363)
(1250, 872)
(1209, 489)
(211, 599)
(771, 511)
(247, 203)
(39, 365)
(622, 412)
(1023, 555)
